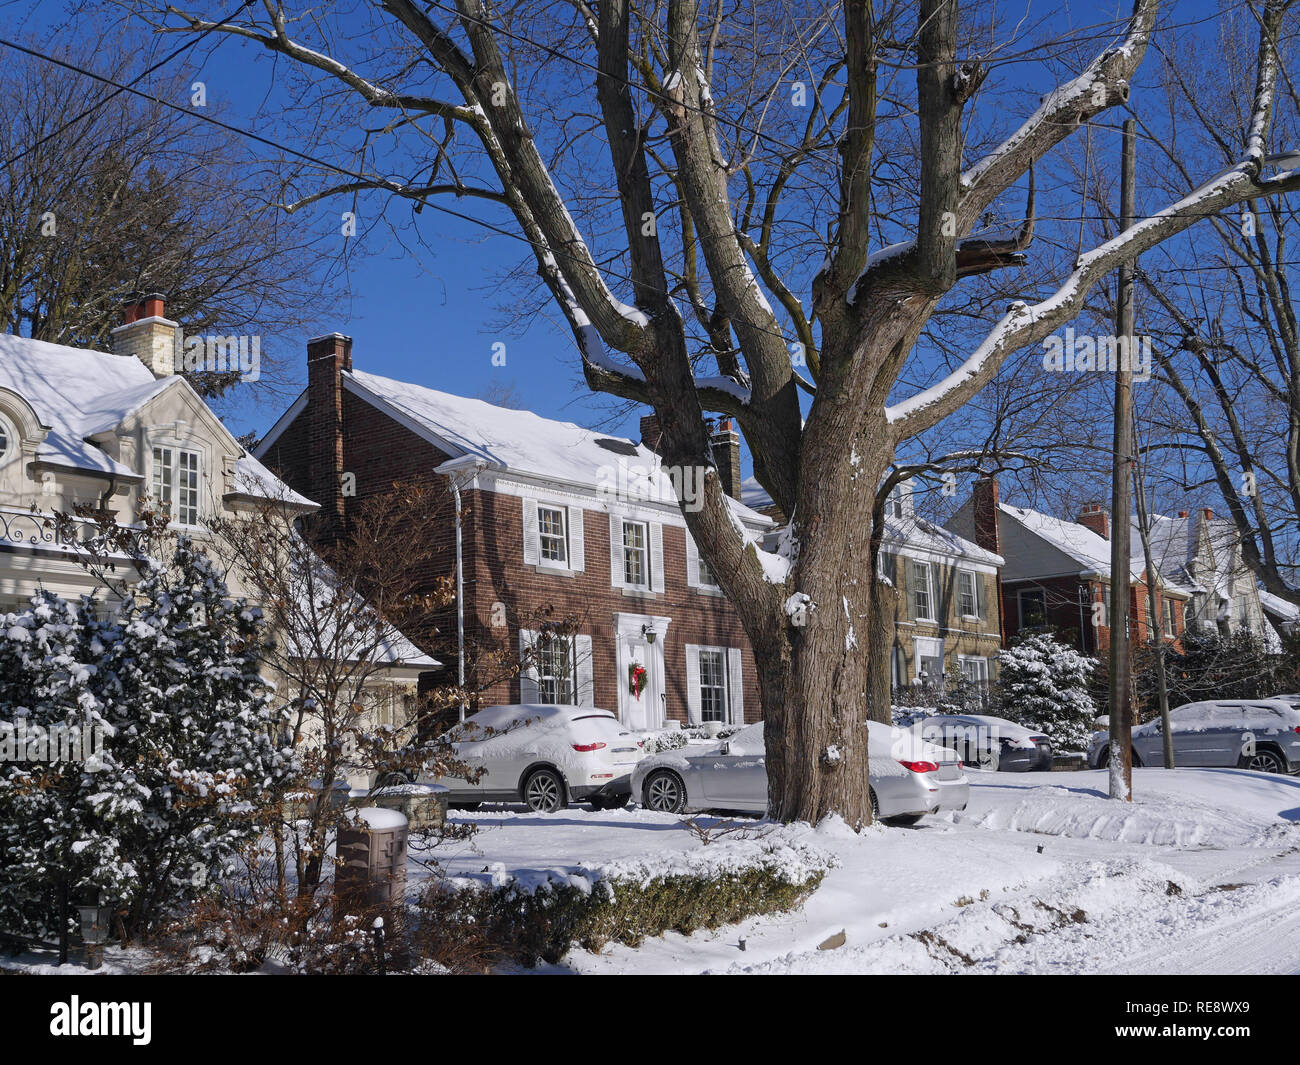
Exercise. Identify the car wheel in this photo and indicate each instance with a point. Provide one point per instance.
(1265, 762)
(875, 807)
(664, 792)
(903, 819)
(988, 759)
(544, 792)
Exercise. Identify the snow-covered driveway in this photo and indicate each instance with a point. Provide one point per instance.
(1041, 874)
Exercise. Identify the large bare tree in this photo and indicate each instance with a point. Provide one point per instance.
(721, 195)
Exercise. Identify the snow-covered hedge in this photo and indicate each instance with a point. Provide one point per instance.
(542, 914)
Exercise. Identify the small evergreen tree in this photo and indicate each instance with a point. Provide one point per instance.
(193, 747)
(1044, 685)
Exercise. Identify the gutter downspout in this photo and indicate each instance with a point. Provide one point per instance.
(450, 470)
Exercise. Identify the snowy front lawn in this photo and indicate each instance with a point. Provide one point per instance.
(1041, 874)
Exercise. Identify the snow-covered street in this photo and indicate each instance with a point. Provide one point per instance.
(1041, 874)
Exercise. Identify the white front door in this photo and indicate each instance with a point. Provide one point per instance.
(641, 640)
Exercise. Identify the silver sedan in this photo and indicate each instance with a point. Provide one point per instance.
(909, 777)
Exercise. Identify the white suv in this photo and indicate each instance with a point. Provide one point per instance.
(544, 755)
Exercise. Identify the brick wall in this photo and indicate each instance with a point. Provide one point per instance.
(378, 452)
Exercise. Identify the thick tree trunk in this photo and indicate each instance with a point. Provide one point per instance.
(817, 721)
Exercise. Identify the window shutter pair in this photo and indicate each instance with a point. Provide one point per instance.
(532, 536)
(735, 685)
(584, 685)
(654, 550)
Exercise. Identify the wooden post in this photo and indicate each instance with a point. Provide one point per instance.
(1121, 725)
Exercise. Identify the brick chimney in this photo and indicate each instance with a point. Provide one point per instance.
(327, 357)
(147, 334)
(726, 455)
(651, 433)
(1182, 513)
(1209, 514)
(984, 500)
(1095, 517)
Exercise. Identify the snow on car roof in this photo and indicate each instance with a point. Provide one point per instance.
(508, 714)
(1010, 729)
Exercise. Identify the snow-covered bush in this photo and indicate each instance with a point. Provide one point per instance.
(543, 915)
(192, 752)
(1044, 685)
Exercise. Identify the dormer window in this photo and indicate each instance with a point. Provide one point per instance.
(176, 483)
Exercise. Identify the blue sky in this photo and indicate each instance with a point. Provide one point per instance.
(428, 318)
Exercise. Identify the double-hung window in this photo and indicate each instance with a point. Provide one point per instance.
(921, 595)
(636, 554)
(176, 483)
(713, 685)
(969, 599)
(555, 669)
(552, 535)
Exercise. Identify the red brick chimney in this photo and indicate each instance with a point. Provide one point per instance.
(1095, 517)
(327, 357)
(1182, 513)
(651, 432)
(726, 456)
(984, 498)
(1209, 514)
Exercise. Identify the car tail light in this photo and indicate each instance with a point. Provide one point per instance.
(919, 767)
(641, 743)
(1296, 729)
(598, 746)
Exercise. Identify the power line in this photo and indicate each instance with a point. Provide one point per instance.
(124, 88)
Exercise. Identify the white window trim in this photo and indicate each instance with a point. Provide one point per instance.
(982, 659)
(177, 445)
(929, 589)
(574, 538)
(14, 438)
(733, 684)
(920, 646)
(974, 592)
(654, 554)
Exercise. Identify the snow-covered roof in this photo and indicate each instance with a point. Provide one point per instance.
(77, 393)
(1175, 550)
(900, 533)
(520, 441)
(1279, 608)
(1090, 550)
(917, 533)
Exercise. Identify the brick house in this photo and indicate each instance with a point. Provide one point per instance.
(554, 518)
(948, 610)
(1057, 572)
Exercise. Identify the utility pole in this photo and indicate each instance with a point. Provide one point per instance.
(1121, 725)
(1157, 620)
